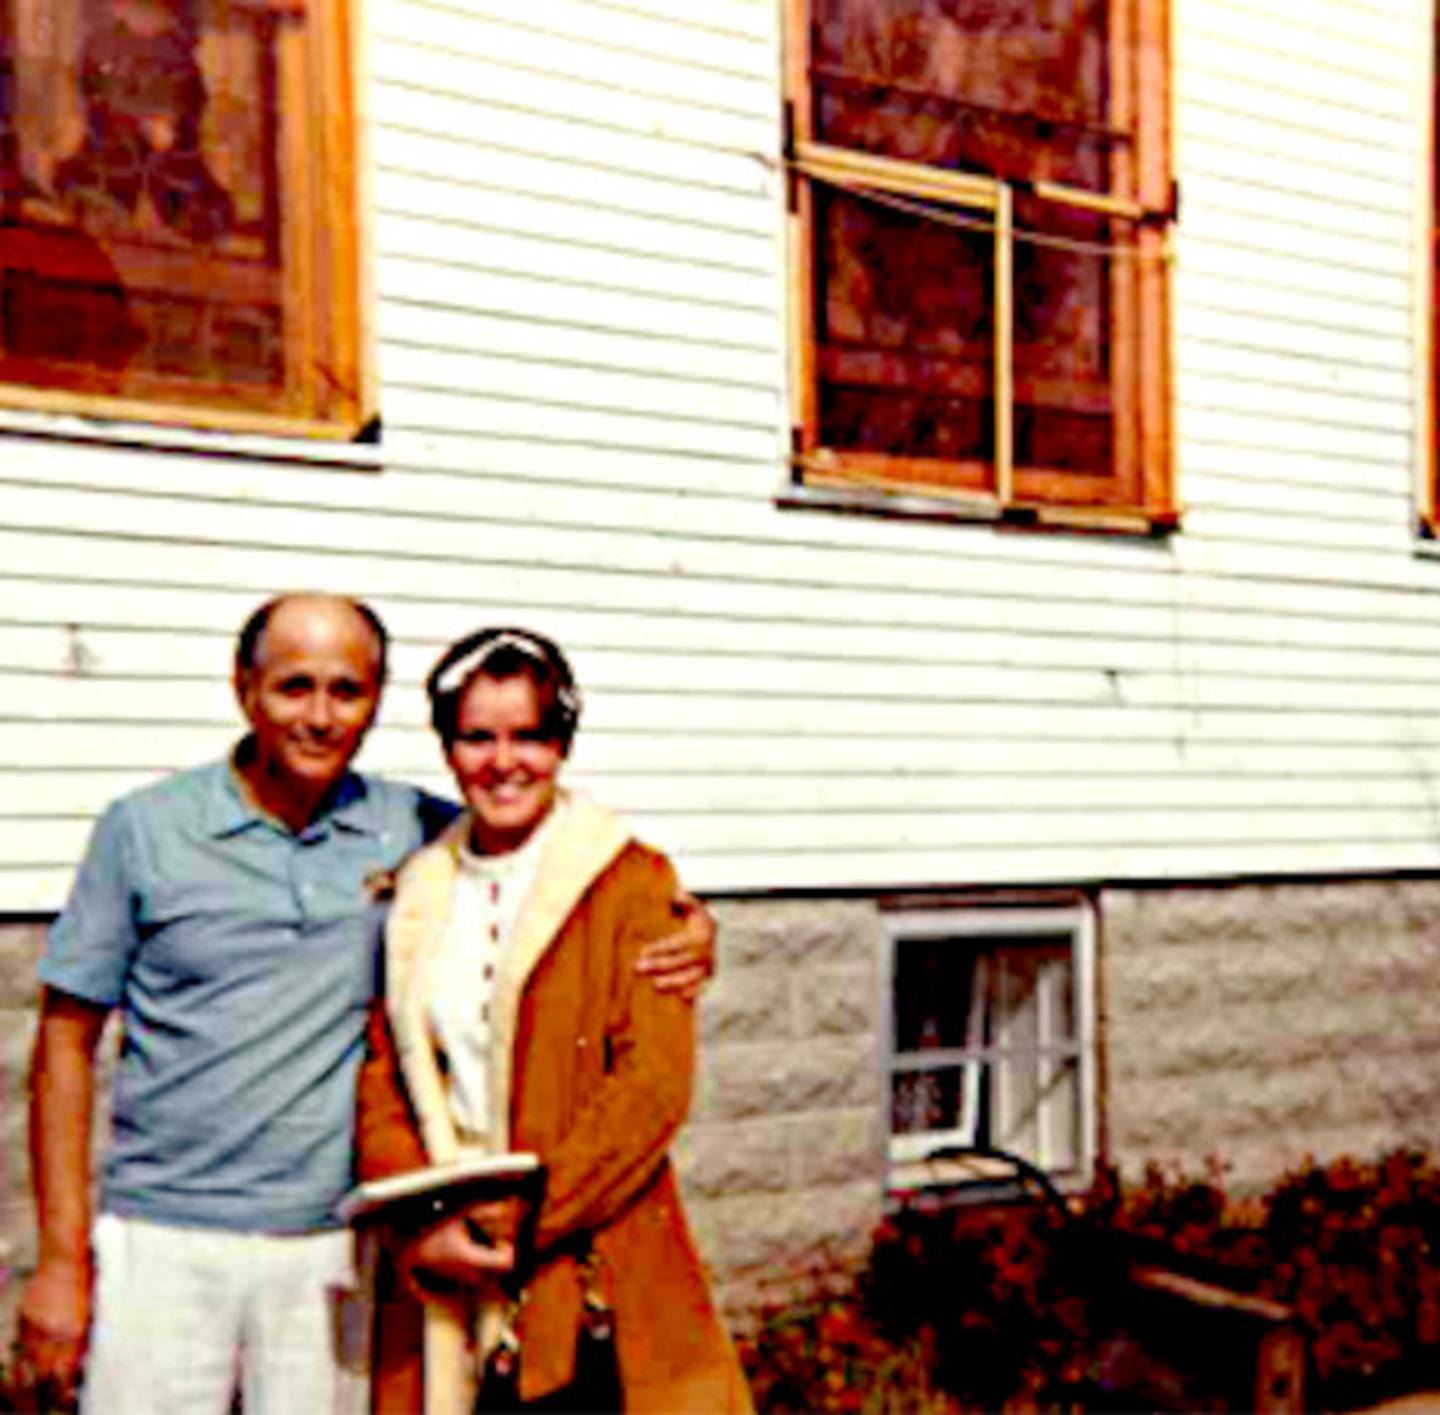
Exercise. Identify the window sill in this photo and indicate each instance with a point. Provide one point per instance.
(366, 456)
(917, 506)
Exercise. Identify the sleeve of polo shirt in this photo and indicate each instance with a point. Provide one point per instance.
(434, 814)
(92, 943)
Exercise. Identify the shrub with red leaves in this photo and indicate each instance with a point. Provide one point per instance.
(1017, 1307)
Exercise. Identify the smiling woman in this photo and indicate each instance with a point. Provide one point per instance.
(513, 1020)
(505, 706)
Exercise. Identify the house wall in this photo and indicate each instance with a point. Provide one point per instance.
(580, 292)
(579, 265)
(1263, 1023)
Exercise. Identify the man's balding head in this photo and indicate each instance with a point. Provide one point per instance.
(308, 675)
(250, 643)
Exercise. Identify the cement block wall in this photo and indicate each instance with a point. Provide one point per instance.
(20, 945)
(1262, 1023)
(783, 1160)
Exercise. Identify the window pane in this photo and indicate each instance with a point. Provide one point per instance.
(1035, 1094)
(932, 992)
(985, 1045)
(161, 235)
(1019, 89)
(1065, 310)
(906, 329)
(928, 1101)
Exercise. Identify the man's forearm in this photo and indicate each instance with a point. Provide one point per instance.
(62, 1105)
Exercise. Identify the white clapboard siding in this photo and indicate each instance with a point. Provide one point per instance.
(1410, 749)
(1175, 613)
(638, 647)
(82, 794)
(578, 231)
(1270, 271)
(955, 833)
(758, 688)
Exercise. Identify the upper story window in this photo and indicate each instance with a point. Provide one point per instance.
(178, 221)
(982, 199)
(992, 1037)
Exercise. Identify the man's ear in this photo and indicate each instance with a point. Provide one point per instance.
(243, 680)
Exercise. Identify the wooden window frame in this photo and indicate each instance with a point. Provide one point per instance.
(1427, 278)
(994, 925)
(330, 390)
(1141, 377)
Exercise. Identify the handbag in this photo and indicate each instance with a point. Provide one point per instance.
(595, 1387)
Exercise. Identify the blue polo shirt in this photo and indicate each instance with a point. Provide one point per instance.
(242, 957)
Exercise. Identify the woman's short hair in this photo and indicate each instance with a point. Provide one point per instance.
(505, 652)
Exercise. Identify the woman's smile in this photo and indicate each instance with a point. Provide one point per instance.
(504, 764)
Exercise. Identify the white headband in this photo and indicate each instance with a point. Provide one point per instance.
(464, 669)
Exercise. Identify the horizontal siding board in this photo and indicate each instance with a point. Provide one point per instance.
(41, 842)
(1246, 611)
(1380, 27)
(29, 890)
(35, 701)
(604, 32)
(1315, 371)
(586, 146)
(83, 794)
(1254, 315)
(410, 207)
(1257, 488)
(403, 328)
(745, 690)
(672, 400)
(1217, 138)
(1370, 95)
(674, 67)
(639, 646)
(1369, 202)
(406, 65)
(1265, 190)
(421, 154)
(666, 535)
(573, 260)
(1308, 110)
(1301, 59)
(1204, 414)
(1245, 525)
(1323, 411)
(1299, 477)
(433, 411)
(1222, 209)
(607, 760)
(555, 301)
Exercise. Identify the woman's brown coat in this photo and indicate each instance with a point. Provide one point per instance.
(600, 1067)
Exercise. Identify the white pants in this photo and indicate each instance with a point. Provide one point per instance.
(185, 1316)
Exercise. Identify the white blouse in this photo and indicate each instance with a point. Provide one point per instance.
(490, 891)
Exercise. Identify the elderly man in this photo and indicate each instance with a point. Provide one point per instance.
(229, 913)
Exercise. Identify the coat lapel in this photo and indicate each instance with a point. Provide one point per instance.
(584, 838)
(412, 937)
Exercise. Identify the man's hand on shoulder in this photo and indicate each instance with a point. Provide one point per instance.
(682, 962)
(50, 1342)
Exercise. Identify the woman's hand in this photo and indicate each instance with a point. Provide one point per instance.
(682, 962)
(468, 1250)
